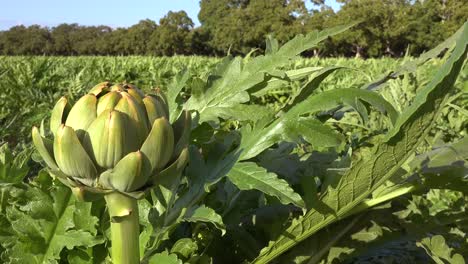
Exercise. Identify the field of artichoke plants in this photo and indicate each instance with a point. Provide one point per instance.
(271, 158)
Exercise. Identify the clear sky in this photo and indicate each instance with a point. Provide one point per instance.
(114, 13)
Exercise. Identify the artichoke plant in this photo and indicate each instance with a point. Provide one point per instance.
(114, 142)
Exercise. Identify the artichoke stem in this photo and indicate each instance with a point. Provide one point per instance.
(125, 229)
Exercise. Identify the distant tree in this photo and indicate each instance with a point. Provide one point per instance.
(219, 18)
(172, 36)
(61, 38)
(432, 21)
(138, 36)
(21, 40)
(381, 32)
(103, 44)
(85, 40)
(387, 28)
(1, 42)
(242, 25)
(199, 42)
(72, 39)
(454, 14)
(117, 42)
(36, 40)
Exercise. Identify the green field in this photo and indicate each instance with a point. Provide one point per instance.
(31, 85)
(290, 160)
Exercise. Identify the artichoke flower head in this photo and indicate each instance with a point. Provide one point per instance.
(114, 138)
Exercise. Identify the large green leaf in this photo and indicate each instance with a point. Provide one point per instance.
(370, 170)
(202, 175)
(279, 82)
(310, 86)
(184, 247)
(232, 79)
(330, 99)
(173, 92)
(445, 167)
(12, 169)
(439, 251)
(286, 127)
(44, 222)
(411, 65)
(205, 214)
(249, 176)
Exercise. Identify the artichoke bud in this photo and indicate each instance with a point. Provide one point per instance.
(113, 139)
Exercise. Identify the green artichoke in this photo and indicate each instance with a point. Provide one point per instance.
(114, 138)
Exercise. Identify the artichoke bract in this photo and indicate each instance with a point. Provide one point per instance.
(114, 138)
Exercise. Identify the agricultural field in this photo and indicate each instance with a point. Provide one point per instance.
(269, 158)
(31, 85)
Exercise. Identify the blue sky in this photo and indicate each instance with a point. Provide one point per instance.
(114, 13)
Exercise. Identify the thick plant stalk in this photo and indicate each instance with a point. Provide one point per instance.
(125, 229)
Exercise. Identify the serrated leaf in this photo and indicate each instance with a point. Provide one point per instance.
(313, 131)
(249, 176)
(45, 226)
(276, 83)
(328, 100)
(185, 247)
(368, 234)
(88, 255)
(203, 174)
(258, 139)
(439, 251)
(386, 157)
(335, 253)
(205, 214)
(144, 208)
(264, 134)
(83, 218)
(173, 91)
(12, 169)
(231, 78)
(445, 167)
(411, 65)
(309, 87)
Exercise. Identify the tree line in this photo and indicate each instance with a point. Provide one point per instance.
(388, 28)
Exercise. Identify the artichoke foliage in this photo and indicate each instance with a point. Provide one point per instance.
(115, 138)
